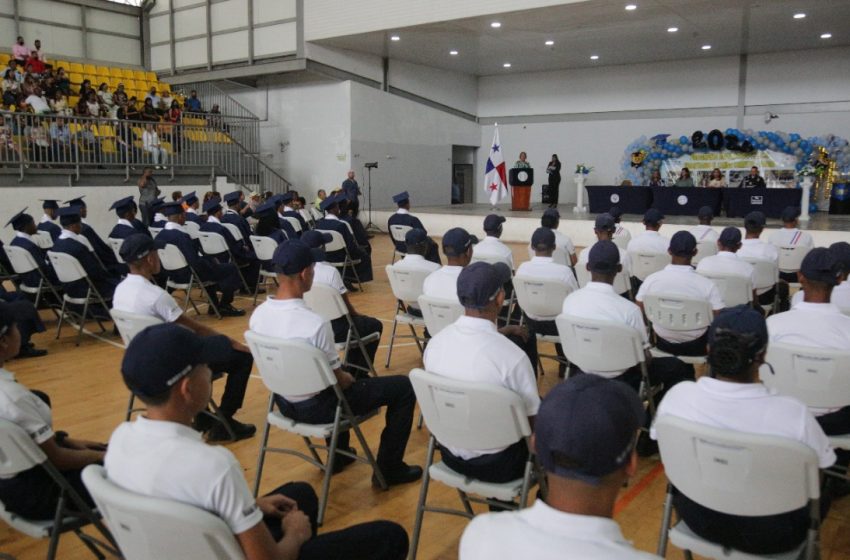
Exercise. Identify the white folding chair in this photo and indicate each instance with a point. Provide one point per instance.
(645, 263)
(173, 261)
(622, 241)
(767, 275)
(790, 260)
(399, 234)
(438, 313)
(19, 453)
(737, 474)
(68, 269)
(294, 222)
(542, 297)
(337, 243)
(234, 231)
(677, 313)
(406, 286)
(470, 416)
(264, 248)
(213, 244)
(194, 229)
(23, 263)
(145, 527)
(115, 244)
(308, 216)
(559, 256)
(328, 303)
(704, 249)
(43, 240)
(292, 367)
(622, 282)
(734, 289)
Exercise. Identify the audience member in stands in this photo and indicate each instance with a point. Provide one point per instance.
(193, 104)
(119, 98)
(38, 139)
(38, 103)
(59, 104)
(105, 97)
(175, 117)
(85, 88)
(63, 82)
(149, 111)
(166, 102)
(130, 112)
(152, 146)
(89, 142)
(83, 109)
(156, 100)
(704, 231)
(9, 148)
(35, 66)
(39, 54)
(565, 253)
(20, 51)
(60, 138)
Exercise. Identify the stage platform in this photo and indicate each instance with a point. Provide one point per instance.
(825, 229)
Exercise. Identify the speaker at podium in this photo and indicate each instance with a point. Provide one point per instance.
(521, 180)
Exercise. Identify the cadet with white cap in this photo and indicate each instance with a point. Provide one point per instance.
(840, 296)
(704, 231)
(491, 247)
(566, 251)
(403, 217)
(159, 455)
(127, 225)
(47, 222)
(650, 240)
(727, 261)
(584, 437)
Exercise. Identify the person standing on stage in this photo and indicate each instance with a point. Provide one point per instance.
(352, 191)
(148, 191)
(522, 162)
(753, 180)
(554, 171)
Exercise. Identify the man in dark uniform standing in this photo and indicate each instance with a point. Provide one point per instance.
(352, 191)
(403, 217)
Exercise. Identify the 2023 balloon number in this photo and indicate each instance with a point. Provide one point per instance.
(717, 141)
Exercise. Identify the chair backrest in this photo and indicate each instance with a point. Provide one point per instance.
(171, 258)
(131, 324)
(734, 289)
(438, 313)
(645, 263)
(622, 242)
(264, 247)
(21, 259)
(541, 297)
(491, 259)
(622, 282)
(290, 367)
(18, 452)
(325, 301)
(587, 343)
(68, 269)
(734, 472)
(296, 225)
(790, 258)
(43, 239)
(406, 284)
(816, 376)
(194, 229)
(470, 415)
(308, 215)
(233, 229)
(767, 272)
(559, 256)
(144, 527)
(116, 247)
(705, 248)
(335, 244)
(212, 243)
(677, 313)
(398, 232)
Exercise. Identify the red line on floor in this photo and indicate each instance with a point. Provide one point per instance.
(633, 492)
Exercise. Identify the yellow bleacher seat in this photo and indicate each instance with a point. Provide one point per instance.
(166, 145)
(5, 57)
(105, 130)
(137, 132)
(90, 69)
(116, 72)
(130, 84)
(74, 128)
(73, 100)
(127, 73)
(76, 67)
(222, 138)
(75, 78)
(139, 75)
(103, 71)
(107, 146)
(113, 82)
(151, 76)
(62, 64)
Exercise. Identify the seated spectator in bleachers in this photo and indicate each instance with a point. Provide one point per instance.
(63, 82)
(214, 119)
(105, 97)
(60, 139)
(11, 88)
(156, 100)
(149, 111)
(95, 109)
(119, 98)
(38, 139)
(127, 225)
(584, 438)
(15, 71)
(82, 108)
(130, 112)
(85, 88)
(20, 51)
(89, 142)
(39, 54)
(59, 104)
(34, 66)
(153, 147)
(732, 398)
(9, 148)
(175, 117)
(165, 104)
(193, 104)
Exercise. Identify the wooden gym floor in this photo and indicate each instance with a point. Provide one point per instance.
(89, 401)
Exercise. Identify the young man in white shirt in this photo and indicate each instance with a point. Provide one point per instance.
(704, 231)
(491, 247)
(417, 245)
(650, 240)
(287, 317)
(151, 144)
(734, 399)
(726, 261)
(604, 229)
(840, 296)
(754, 248)
(472, 349)
(566, 251)
(791, 235)
(584, 437)
(159, 455)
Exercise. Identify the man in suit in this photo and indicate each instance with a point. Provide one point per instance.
(102, 249)
(332, 222)
(403, 217)
(225, 275)
(231, 215)
(25, 229)
(127, 223)
(48, 220)
(191, 203)
(241, 250)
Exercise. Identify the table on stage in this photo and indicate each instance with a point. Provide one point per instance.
(740, 202)
(631, 200)
(686, 201)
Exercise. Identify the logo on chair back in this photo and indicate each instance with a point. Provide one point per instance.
(615, 198)
(682, 200)
(756, 200)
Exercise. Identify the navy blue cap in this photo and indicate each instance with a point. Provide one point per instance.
(266, 208)
(135, 247)
(158, 203)
(49, 203)
(69, 215)
(293, 256)
(705, 212)
(493, 221)
(76, 201)
(730, 237)
(683, 244)
(123, 205)
(551, 213)
(605, 222)
(479, 283)
(190, 198)
(212, 206)
(415, 236)
(587, 428)
(19, 220)
(653, 216)
(604, 257)
(543, 239)
(161, 355)
(287, 196)
(456, 241)
(790, 213)
(755, 218)
(401, 197)
(615, 212)
(738, 320)
(276, 200)
(232, 197)
(819, 265)
(840, 251)
(316, 239)
(329, 202)
(171, 208)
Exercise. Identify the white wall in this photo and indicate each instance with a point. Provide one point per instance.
(455, 90)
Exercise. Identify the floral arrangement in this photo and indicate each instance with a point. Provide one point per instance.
(582, 169)
(807, 171)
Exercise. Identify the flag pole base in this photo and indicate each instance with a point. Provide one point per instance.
(580, 209)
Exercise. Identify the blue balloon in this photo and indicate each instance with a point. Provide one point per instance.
(813, 207)
(683, 139)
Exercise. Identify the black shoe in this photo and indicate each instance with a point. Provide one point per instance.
(242, 431)
(30, 351)
(646, 446)
(342, 461)
(350, 287)
(230, 311)
(203, 421)
(403, 475)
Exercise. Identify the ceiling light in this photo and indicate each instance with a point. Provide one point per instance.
(549, 43)
(495, 25)
(453, 53)
(801, 15)
(507, 65)
(706, 47)
(594, 57)
(631, 7)
(395, 38)
(826, 36)
(672, 29)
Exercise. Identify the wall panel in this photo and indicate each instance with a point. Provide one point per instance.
(228, 15)
(275, 39)
(191, 53)
(230, 46)
(188, 23)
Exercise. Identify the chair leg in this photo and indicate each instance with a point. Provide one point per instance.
(257, 286)
(209, 299)
(416, 339)
(329, 466)
(90, 545)
(420, 421)
(130, 407)
(83, 320)
(665, 522)
(526, 483)
(392, 340)
(423, 496)
(467, 505)
(56, 531)
(221, 418)
(261, 459)
(61, 318)
(312, 449)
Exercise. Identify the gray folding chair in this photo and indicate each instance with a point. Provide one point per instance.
(338, 244)
(264, 248)
(213, 244)
(173, 261)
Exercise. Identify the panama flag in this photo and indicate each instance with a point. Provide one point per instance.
(495, 182)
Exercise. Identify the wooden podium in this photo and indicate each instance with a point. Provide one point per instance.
(521, 181)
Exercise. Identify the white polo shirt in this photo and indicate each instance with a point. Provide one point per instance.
(817, 325)
(542, 532)
(7, 375)
(20, 406)
(703, 232)
(622, 232)
(416, 263)
(442, 283)
(649, 241)
(727, 262)
(329, 276)
(135, 294)
(598, 300)
(745, 407)
(681, 281)
(840, 296)
(292, 319)
(791, 237)
(625, 259)
(562, 241)
(471, 349)
(493, 248)
(758, 249)
(170, 461)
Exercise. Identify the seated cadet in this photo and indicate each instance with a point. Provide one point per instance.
(28, 320)
(840, 296)
(333, 222)
(268, 223)
(25, 229)
(329, 276)
(542, 266)
(604, 228)
(225, 275)
(733, 398)
(565, 252)
(584, 439)
(417, 246)
(242, 251)
(620, 232)
(32, 494)
(704, 231)
(127, 223)
(361, 236)
(790, 236)
(72, 242)
(102, 249)
(191, 203)
(471, 349)
(48, 219)
(727, 261)
(287, 317)
(754, 248)
(159, 455)
(680, 279)
(403, 217)
(283, 225)
(650, 240)
(491, 247)
(817, 323)
(289, 211)
(232, 216)
(159, 219)
(138, 293)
